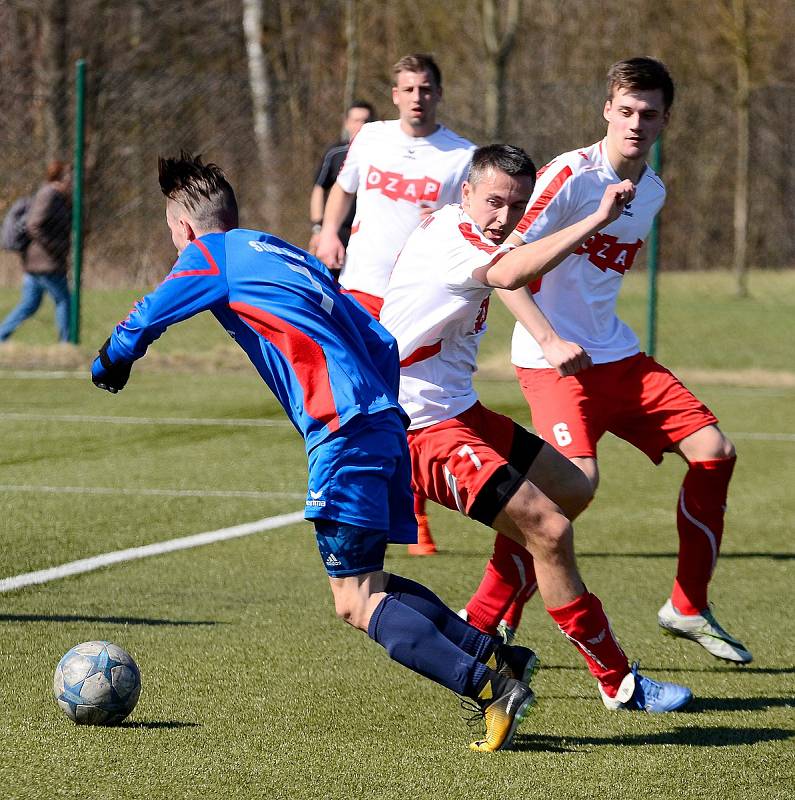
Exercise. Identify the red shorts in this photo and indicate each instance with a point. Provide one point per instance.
(371, 302)
(473, 463)
(635, 398)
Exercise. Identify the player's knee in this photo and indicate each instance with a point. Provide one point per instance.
(552, 535)
(727, 448)
(348, 614)
(348, 609)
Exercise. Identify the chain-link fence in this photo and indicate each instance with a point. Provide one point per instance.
(134, 115)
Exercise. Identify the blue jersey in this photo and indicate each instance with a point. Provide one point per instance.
(323, 356)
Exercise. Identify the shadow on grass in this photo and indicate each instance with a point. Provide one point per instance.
(672, 554)
(479, 554)
(160, 725)
(685, 737)
(736, 669)
(108, 620)
(739, 703)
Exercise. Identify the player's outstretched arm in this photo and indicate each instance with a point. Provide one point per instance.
(107, 374)
(568, 358)
(329, 247)
(529, 262)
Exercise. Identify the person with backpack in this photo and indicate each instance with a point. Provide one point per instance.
(44, 254)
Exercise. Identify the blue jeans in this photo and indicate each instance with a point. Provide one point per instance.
(33, 288)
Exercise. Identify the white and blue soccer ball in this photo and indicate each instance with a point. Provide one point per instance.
(97, 683)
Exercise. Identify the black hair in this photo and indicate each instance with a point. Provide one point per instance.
(505, 157)
(202, 189)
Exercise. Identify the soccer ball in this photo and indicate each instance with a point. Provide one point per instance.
(97, 683)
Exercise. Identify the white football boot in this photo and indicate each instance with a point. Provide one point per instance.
(704, 629)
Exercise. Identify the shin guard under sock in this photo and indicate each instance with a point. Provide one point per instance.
(451, 626)
(506, 575)
(513, 616)
(584, 623)
(414, 641)
(699, 520)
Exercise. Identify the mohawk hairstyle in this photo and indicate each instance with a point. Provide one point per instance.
(201, 189)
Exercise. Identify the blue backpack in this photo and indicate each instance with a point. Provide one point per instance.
(14, 234)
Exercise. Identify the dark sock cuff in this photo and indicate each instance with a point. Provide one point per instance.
(372, 626)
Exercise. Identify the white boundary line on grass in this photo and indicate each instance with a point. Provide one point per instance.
(26, 487)
(156, 549)
(199, 421)
(263, 423)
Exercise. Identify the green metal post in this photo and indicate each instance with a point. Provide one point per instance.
(77, 201)
(653, 261)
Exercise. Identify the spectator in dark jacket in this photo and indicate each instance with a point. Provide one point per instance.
(44, 260)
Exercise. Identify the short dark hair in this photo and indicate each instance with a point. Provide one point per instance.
(202, 189)
(418, 62)
(642, 74)
(507, 158)
(362, 104)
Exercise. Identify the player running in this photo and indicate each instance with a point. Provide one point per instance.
(398, 171)
(335, 371)
(573, 322)
(469, 458)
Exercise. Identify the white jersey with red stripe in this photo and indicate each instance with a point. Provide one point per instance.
(437, 312)
(393, 176)
(578, 297)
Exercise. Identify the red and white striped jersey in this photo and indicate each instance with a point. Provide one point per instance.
(394, 176)
(579, 296)
(437, 312)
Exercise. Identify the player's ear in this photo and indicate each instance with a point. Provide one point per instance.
(187, 228)
(466, 191)
(606, 111)
(395, 95)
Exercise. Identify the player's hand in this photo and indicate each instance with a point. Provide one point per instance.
(330, 250)
(311, 248)
(568, 358)
(107, 375)
(615, 199)
(425, 211)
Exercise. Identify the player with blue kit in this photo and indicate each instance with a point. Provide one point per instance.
(335, 371)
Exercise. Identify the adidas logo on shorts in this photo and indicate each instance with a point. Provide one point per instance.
(333, 561)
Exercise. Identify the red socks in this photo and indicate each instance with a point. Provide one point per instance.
(508, 575)
(584, 623)
(699, 519)
(425, 544)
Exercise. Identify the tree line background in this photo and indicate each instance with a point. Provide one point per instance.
(260, 86)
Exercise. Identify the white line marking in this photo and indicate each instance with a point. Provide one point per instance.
(241, 423)
(765, 437)
(260, 423)
(156, 549)
(12, 487)
(44, 375)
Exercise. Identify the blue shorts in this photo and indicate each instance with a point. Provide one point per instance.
(361, 478)
(348, 550)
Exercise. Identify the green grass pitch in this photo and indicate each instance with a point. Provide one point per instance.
(252, 688)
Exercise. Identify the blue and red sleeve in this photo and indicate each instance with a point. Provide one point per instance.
(196, 282)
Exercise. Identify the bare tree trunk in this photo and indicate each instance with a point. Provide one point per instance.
(261, 99)
(742, 59)
(53, 77)
(498, 49)
(352, 52)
